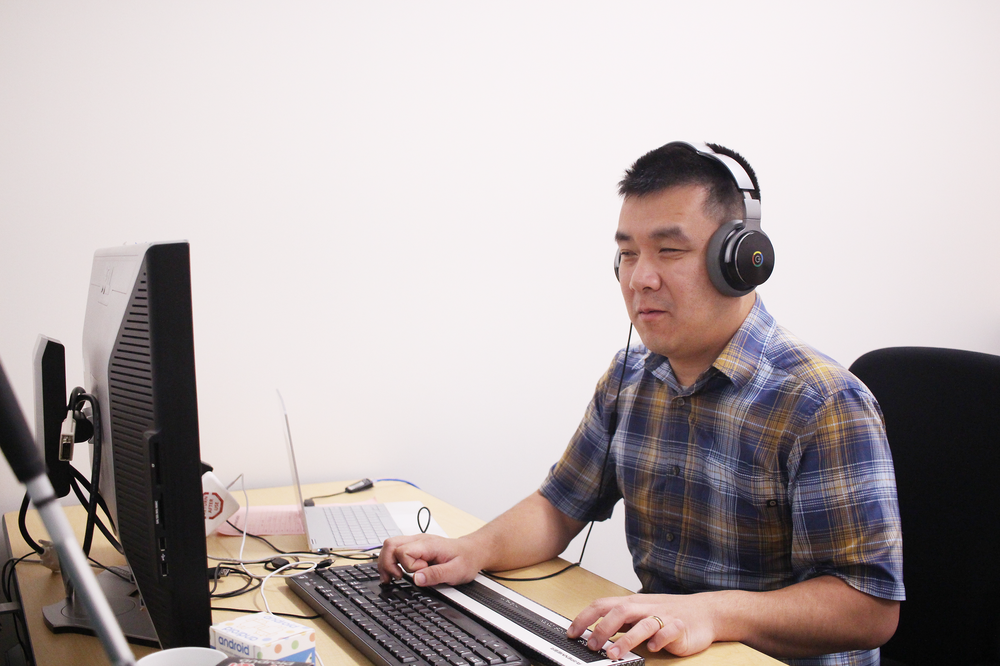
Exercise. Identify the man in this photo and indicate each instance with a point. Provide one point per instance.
(759, 493)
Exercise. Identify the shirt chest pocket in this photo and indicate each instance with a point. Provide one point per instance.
(749, 489)
(757, 500)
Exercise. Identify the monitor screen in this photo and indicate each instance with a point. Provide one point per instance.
(138, 349)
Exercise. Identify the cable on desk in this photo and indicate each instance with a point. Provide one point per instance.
(347, 555)
(423, 527)
(7, 585)
(310, 566)
(254, 610)
(7, 573)
(409, 483)
(259, 538)
(251, 583)
(529, 580)
(360, 556)
(358, 486)
(546, 576)
(600, 485)
(111, 570)
(254, 581)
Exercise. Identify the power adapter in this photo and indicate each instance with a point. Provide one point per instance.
(358, 486)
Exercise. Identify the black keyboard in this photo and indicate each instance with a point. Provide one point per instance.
(475, 624)
(399, 623)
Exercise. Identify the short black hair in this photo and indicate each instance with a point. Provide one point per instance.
(674, 165)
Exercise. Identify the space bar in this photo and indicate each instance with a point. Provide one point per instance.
(530, 620)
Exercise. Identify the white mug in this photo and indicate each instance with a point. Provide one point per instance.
(183, 656)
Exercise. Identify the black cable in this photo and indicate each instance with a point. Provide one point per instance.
(345, 490)
(7, 574)
(612, 428)
(6, 585)
(111, 570)
(359, 557)
(254, 610)
(77, 397)
(344, 556)
(100, 498)
(260, 538)
(23, 526)
(529, 580)
(310, 499)
(251, 583)
(74, 484)
(250, 586)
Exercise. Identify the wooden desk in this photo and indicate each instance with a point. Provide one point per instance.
(566, 594)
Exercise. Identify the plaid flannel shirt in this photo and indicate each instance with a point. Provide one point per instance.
(771, 469)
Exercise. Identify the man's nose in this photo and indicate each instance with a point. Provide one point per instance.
(644, 276)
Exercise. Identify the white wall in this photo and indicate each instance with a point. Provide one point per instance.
(401, 213)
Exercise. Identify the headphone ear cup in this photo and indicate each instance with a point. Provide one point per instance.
(618, 263)
(715, 257)
(752, 259)
(738, 259)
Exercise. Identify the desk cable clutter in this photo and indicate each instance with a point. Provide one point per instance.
(24, 459)
(29, 468)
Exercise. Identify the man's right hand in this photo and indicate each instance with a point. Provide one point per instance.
(431, 559)
(532, 531)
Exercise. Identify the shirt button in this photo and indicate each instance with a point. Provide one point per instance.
(670, 536)
(679, 402)
(675, 470)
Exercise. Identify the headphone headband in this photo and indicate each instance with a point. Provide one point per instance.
(740, 175)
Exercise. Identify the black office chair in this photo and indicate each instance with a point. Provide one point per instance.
(942, 415)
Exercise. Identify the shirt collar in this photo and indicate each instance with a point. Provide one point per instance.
(738, 361)
(741, 358)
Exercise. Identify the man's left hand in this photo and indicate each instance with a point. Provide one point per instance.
(680, 624)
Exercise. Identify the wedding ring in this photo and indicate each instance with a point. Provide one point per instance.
(658, 620)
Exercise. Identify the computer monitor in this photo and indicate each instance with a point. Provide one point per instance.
(138, 353)
(49, 365)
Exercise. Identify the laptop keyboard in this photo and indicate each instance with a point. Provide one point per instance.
(357, 524)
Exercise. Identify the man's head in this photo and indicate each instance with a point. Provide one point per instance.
(676, 164)
(675, 201)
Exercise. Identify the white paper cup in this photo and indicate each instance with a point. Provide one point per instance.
(183, 656)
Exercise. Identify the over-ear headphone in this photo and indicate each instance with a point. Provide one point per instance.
(740, 256)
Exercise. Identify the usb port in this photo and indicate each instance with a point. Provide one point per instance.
(162, 542)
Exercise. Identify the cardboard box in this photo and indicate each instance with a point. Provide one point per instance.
(265, 636)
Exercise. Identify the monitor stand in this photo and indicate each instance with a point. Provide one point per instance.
(123, 596)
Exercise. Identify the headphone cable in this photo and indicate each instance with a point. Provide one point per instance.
(612, 429)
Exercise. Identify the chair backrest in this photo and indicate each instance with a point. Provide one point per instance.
(942, 416)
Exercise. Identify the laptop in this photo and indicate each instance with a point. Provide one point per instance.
(339, 527)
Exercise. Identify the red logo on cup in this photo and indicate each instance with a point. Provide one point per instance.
(213, 505)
